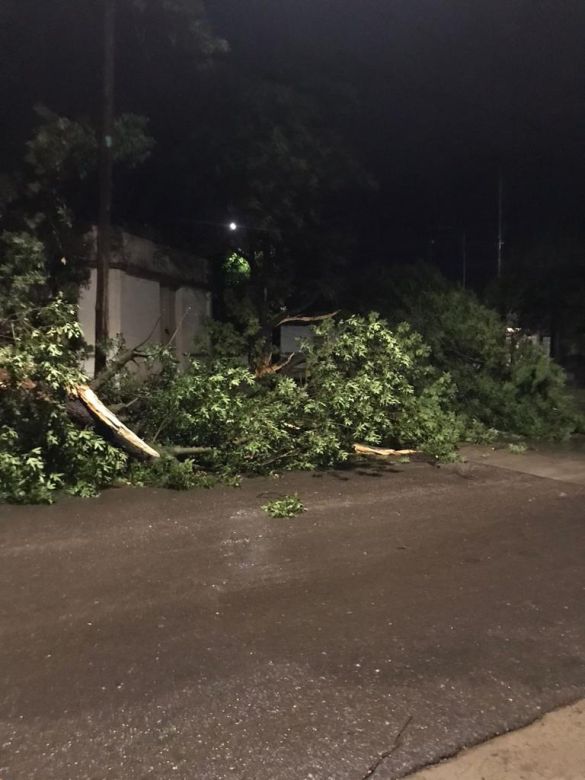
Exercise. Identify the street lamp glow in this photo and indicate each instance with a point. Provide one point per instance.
(233, 226)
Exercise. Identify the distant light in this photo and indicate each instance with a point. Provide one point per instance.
(233, 226)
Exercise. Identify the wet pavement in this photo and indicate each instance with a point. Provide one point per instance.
(166, 635)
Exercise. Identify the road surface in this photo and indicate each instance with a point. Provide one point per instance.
(188, 635)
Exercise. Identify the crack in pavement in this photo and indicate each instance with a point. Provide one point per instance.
(383, 756)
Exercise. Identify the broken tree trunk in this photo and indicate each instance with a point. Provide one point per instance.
(122, 436)
(382, 452)
(85, 409)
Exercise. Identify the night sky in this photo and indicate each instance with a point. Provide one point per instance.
(432, 95)
(448, 90)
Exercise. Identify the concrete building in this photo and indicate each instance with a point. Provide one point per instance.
(155, 293)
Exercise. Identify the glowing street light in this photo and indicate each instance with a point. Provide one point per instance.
(233, 226)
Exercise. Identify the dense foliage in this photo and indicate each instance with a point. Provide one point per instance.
(503, 381)
(363, 383)
(379, 386)
(545, 285)
(41, 450)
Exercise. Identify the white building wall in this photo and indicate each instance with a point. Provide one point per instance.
(192, 310)
(87, 308)
(140, 310)
(144, 309)
(292, 336)
(86, 314)
(168, 323)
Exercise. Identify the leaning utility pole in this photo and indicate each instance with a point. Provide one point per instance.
(104, 237)
(500, 221)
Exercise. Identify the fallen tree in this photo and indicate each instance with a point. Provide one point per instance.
(120, 434)
(55, 433)
(367, 390)
(86, 410)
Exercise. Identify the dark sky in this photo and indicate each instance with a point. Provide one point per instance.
(433, 95)
(449, 90)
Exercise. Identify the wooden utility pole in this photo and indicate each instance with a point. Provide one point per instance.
(104, 238)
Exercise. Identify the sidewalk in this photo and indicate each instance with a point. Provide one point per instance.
(551, 749)
(563, 465)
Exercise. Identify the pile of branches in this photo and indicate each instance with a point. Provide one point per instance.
(365, 385)
(212, 419)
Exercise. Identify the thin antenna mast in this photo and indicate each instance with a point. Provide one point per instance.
(500, 221)
(464, 260)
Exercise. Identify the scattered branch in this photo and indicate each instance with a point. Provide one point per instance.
(6, 382)
(381, 452)
(160, 428)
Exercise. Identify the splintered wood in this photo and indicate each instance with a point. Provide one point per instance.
(381, 452)
(123, 436)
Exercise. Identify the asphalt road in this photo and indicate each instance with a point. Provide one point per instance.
(153, 634)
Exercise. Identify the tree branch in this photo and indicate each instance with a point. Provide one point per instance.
(302, 318)
(186, 451)
(276, 459)
(179, 326)
(274, 368)
(120, 361)
(120, 408)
